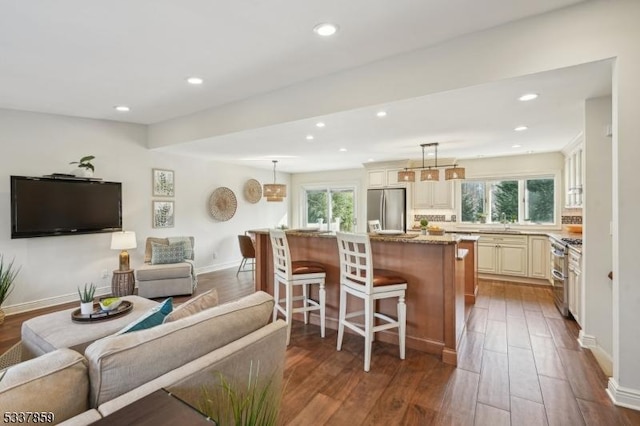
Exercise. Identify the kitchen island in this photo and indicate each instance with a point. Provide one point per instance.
(432, 265)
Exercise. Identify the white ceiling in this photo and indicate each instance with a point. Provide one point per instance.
(80, 58)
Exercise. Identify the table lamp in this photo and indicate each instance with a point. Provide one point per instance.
(122, 241)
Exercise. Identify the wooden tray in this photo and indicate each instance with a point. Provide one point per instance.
(99, 315)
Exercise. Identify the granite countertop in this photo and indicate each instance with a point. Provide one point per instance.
(405, 238)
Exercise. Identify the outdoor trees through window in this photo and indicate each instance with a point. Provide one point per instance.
(331, 206)
(514, 200)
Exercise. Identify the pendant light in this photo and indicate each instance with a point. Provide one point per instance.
(274, 191)
(431, 173)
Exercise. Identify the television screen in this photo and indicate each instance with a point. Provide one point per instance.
(46, 206)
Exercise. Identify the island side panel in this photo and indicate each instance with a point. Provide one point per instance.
(471, 270)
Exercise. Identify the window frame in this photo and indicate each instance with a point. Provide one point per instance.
(328, 187)
(556, 175)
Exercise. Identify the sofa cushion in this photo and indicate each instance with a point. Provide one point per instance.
(148, 272)
(200, 303)
(188, 245)
(172, 253)
(154, 316)
(61, 375)
(120, 363)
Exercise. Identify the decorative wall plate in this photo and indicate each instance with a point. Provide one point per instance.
(252, 191)
(222, 204)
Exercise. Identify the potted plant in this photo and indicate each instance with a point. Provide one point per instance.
(482, 217)
(7, 276)
(85, 166)
(86, 298)
(424, 223)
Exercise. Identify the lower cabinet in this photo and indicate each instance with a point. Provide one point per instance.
(574, 282)
(503, 255)
(539, 257)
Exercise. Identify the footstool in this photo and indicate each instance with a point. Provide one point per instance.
(49, 332)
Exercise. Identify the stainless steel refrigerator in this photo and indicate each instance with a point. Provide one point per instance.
(389, 206)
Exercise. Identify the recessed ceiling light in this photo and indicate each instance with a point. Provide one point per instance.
(516, 146)
(528, 97)
(122, 108)
(320, 124)
(381, 114)
(325, 30)
(520, 128)
(195, 80)
(343, 149)
(309, 137)
(431, 154)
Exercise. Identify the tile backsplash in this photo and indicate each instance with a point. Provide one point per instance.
(571, 220)
(434, 217)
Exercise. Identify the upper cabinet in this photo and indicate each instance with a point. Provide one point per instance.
(574, 174)
(381, 175)
(433, 195)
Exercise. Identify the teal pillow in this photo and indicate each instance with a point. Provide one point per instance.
(172, 253)
(155, 316)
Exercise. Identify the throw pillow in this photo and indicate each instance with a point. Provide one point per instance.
(172, 253)
(153, 317)
(204, 301)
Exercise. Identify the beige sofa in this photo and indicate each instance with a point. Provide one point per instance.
(180, 356)
(171, 279)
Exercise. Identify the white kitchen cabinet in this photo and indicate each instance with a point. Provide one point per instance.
(539, 257)
(503, 254)
(574, 175)
(381, 178)
(574, 282)
(433, 195)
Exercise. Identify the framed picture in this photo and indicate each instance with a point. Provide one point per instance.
(163, 214)
(163, 183)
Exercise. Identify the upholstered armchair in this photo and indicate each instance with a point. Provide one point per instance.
(168, 268)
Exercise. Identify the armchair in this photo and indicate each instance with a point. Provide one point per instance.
(162, 276)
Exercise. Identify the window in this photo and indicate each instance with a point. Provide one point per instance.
(331, 208)
(527, 200)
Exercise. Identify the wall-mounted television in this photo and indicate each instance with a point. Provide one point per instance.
(45, 206)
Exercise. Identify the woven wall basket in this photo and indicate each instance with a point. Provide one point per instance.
(223, 204)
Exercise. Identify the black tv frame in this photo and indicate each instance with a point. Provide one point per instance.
(15, 234)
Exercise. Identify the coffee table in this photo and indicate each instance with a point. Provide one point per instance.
(56, 330)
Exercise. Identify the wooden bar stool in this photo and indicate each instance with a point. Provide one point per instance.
(295, 273)
(359, 279)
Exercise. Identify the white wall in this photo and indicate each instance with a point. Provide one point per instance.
(34, 144)
(597, 258)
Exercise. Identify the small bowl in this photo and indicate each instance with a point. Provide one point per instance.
(115, 302)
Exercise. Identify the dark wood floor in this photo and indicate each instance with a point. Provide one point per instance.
(520, 364)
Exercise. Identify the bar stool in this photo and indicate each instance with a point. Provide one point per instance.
(359, 279)
(374, 225)
(248, 251)
(295, 273)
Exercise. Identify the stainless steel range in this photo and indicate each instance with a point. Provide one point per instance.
(560, 271)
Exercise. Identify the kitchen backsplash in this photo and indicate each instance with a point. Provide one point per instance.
(434, 217)
(572, 220)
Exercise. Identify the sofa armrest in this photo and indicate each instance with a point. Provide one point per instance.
(56, 382)
(265, 346)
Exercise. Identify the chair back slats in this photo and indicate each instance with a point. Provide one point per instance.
(281, 253)
(356, 265)
(374, 225)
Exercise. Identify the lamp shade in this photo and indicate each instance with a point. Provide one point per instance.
(430, 175)
(123, 240)
(454, 173)
(406, 176)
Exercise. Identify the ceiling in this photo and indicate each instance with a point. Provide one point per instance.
(79, 58)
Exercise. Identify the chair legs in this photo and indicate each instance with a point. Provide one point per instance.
(369, 330)
(307, 304)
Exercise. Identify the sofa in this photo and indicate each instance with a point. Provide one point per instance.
(163, 277)
(181, 356)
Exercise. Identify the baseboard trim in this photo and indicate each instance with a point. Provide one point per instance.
(586, 340)
(514, 279)
(623, 397)
(217, 267)
(50, 301)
